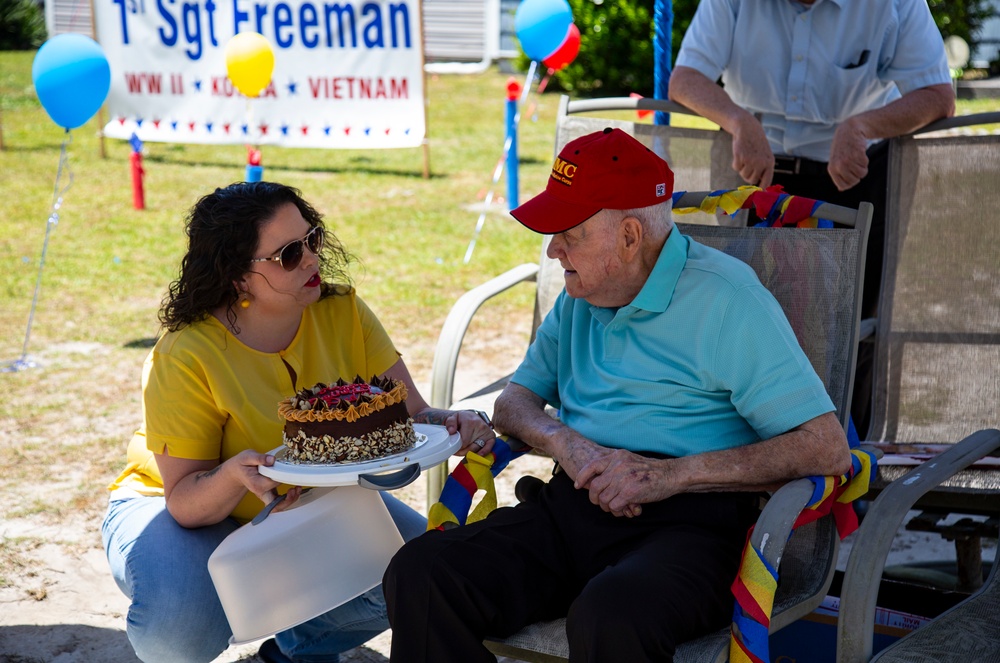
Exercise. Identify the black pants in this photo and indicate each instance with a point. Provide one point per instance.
(632, 588)
(813, 181)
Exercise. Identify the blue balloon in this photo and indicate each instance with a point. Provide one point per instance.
(541, 26)
(72, 78)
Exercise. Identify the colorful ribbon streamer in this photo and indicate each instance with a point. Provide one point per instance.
(757, 581)
(772, 205)
(473, 474)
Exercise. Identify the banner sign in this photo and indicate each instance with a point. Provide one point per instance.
(346, 74)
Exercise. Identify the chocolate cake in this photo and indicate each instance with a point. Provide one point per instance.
(347, 422)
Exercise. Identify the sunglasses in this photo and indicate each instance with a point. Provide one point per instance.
(290, 254)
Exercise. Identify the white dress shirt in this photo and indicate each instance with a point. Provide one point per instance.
(805, 69)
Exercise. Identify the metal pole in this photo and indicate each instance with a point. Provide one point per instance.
(663, 18)
(512, 160)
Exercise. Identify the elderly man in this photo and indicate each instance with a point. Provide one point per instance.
(682, 393)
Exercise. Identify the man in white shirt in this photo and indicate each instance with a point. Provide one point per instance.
(810, 87)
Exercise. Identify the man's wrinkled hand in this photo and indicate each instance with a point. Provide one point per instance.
(620, 482)
(848, 158)
(752, 155)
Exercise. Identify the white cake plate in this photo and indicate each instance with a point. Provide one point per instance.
(434, 445)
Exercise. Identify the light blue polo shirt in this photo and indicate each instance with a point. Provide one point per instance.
(702, 359)
(803, 69)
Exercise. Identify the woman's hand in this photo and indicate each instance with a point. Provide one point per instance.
(204, 492)
(475, 430)
(266, 489)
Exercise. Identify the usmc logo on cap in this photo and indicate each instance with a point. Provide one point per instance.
(563, 171)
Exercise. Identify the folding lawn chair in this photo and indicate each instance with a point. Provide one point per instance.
(936, 390)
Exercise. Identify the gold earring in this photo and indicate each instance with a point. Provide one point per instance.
(245, 301)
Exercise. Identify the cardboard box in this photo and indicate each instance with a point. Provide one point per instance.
(813, 639)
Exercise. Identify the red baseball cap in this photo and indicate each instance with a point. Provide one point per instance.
(604, 170)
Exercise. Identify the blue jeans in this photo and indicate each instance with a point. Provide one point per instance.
(175, 614)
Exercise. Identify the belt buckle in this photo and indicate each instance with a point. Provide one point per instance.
(787, 165)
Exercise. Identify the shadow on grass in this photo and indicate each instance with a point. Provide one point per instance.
(34, 147)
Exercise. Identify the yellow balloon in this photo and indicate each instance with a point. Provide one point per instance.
(249, 62)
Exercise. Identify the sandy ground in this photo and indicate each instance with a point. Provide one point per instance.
(64, 606)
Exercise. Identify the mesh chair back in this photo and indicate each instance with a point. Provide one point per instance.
(700, 158)
(815, 274)
(938, 336)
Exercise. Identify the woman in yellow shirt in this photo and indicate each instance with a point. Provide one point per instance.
(257, 313)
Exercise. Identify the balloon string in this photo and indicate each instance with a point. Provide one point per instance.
(249, 116)
(498, 170)
(58, 192)
(541, 88)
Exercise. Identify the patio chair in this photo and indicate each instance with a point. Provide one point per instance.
(970, 631)
(936, 388)
(937, 339)
(937, 336)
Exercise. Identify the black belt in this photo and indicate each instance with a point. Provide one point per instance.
(798, 166)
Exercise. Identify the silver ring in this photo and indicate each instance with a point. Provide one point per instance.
(480, 443)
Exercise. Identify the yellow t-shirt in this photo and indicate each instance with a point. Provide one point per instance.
(207, 396)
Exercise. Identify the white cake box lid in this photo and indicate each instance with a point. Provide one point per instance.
(434, 445)
(334, 544)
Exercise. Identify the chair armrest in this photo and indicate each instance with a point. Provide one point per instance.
(856, 623)
(457, 323)
(774, 525)
(959, 121)
(774, 528)
(626, 103)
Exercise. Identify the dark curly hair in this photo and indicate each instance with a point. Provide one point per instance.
(223, 231)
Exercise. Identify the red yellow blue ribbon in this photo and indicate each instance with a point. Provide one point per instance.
(772, 205)
(757, 581)
(475, 473)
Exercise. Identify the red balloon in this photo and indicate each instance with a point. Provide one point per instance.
(567, 52)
